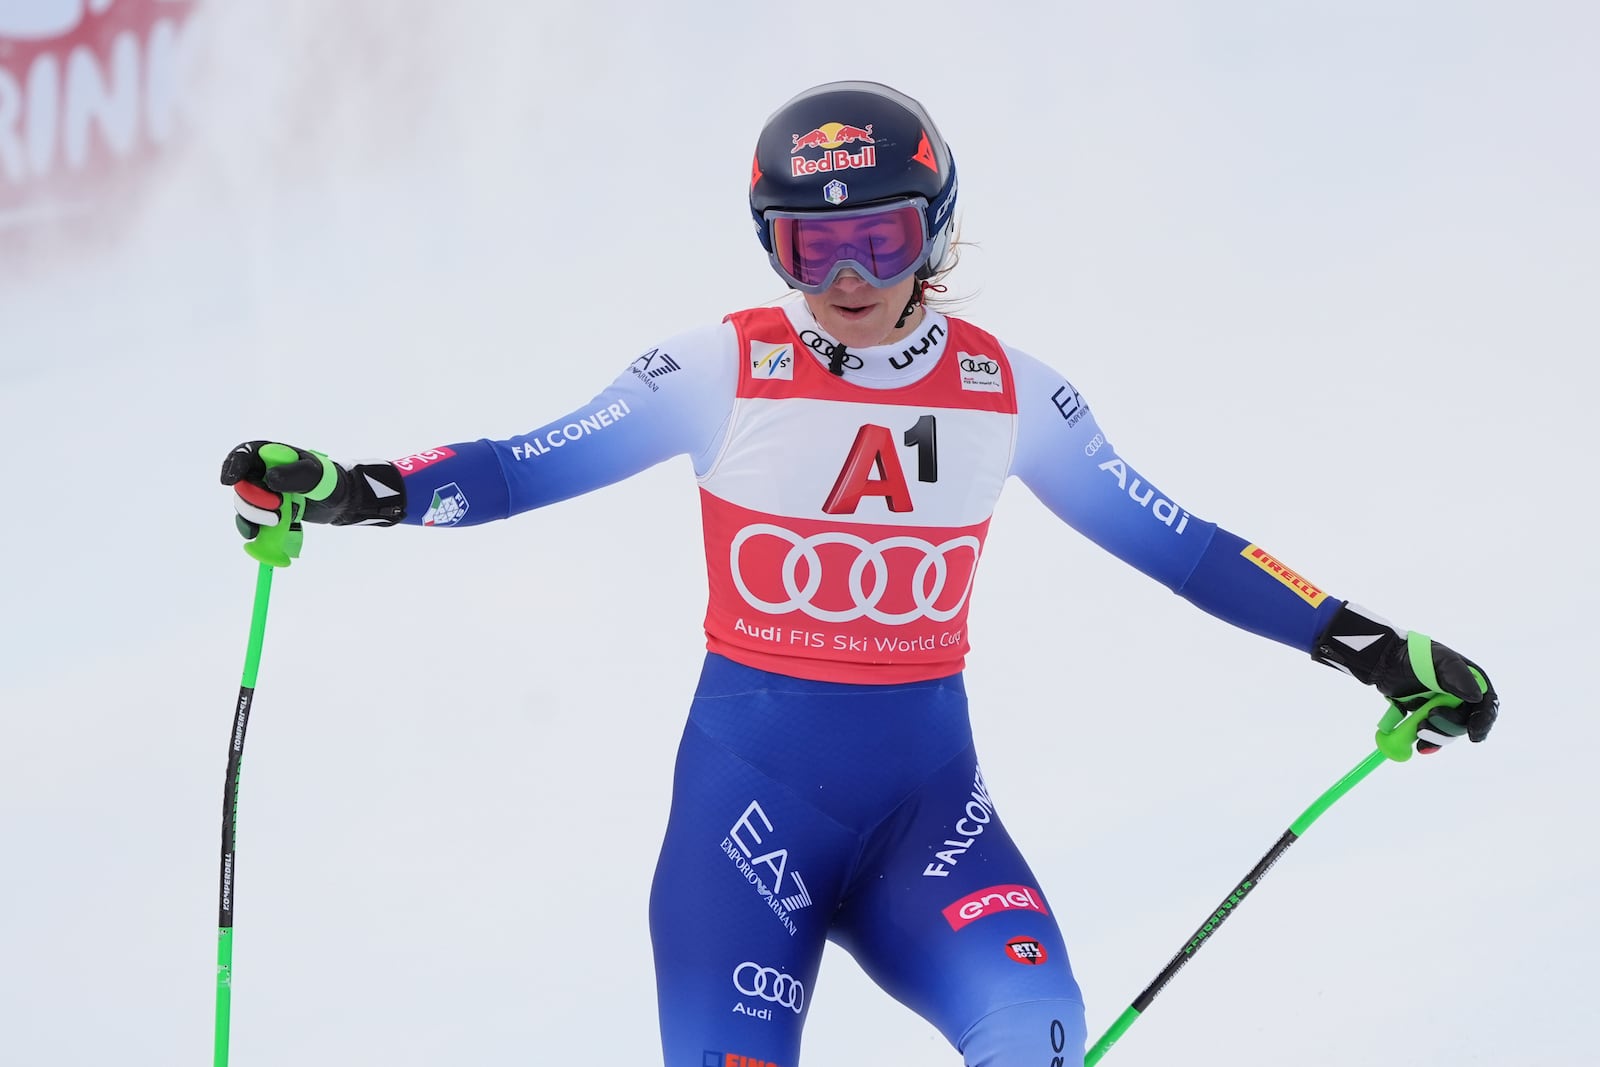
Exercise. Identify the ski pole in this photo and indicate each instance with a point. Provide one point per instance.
(272, 547)
(1397, 732)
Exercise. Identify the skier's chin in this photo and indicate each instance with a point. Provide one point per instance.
(861, 316)
(857, 325)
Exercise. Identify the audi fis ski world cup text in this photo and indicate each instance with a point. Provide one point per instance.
(847, 642)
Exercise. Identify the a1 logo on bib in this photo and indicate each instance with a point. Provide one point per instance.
(979, 374)
(768, 361)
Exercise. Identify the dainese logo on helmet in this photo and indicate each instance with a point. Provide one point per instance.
(831, 137)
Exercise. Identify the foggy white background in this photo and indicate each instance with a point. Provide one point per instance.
(1326, 273)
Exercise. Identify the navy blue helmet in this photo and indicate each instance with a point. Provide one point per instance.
(839, 148)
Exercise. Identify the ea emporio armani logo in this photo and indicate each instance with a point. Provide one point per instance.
(752, 831)
(652, 365)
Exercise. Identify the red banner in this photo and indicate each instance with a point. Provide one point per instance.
(89, 94)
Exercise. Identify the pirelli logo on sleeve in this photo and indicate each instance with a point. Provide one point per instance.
(1311, 594)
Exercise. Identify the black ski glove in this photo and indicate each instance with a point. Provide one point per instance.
(369, 494)
(1411, 669)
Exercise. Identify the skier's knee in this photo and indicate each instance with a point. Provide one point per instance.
(1033, 1034)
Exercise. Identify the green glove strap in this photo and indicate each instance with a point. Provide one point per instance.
(1420, 648)
(330, 477)
(277, 545)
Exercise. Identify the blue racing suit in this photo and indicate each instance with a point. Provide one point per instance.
(827, 786)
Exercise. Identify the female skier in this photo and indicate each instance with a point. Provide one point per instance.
(849, 449)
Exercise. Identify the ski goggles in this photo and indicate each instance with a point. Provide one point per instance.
(884, 243)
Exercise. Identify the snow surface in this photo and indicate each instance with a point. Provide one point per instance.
(1328, 274)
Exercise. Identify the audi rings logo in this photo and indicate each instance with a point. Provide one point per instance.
(818, 343)
(973, 365)
(927, 585)
(754, 980)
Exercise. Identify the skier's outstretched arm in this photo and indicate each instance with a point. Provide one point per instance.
(1065, 458)
(672, 400)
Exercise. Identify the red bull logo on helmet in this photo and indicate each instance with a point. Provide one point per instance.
(831, 137)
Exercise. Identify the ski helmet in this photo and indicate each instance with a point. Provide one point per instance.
(839, 151)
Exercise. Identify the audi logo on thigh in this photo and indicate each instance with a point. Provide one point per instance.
(768, 983)
(869, 554)
(980, 366)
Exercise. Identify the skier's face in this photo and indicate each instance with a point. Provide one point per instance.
(860, 315)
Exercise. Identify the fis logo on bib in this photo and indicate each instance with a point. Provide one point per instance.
(768, 360)
(448, 507)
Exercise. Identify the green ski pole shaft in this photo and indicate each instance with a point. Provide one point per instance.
(1397, 732)
(1229, 904)
(272, 547)
(230, 812)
